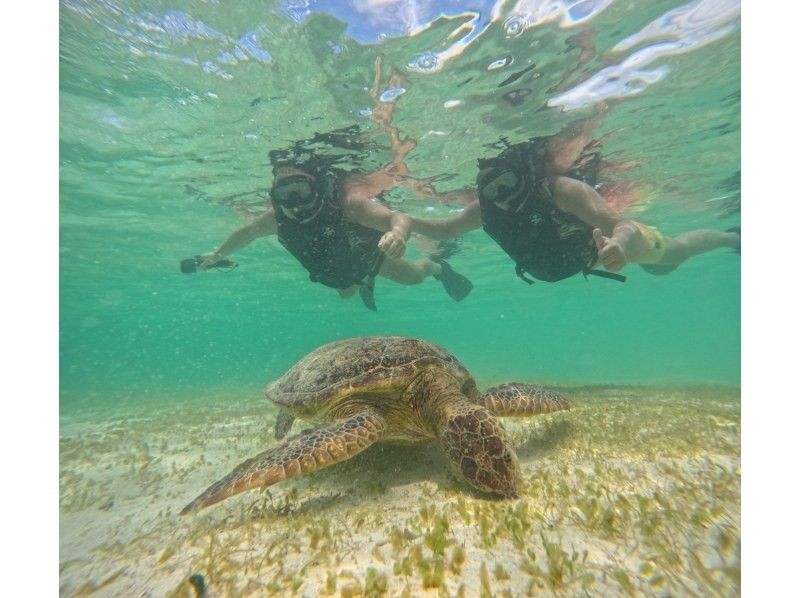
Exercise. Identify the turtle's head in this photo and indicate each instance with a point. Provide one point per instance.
(475, 443)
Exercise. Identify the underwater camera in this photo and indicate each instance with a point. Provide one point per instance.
(191, 264)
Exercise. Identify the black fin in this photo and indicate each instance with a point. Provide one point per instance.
(367, 292)
(456, 285)
(738, 231)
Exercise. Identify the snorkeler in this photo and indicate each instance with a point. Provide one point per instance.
(330, 221)
(342, 238)
(538, 202)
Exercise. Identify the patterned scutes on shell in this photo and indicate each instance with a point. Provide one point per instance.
(379, 365)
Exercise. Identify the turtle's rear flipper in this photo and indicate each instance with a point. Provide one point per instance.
(456, 285)
(307, 452)
(517, 399)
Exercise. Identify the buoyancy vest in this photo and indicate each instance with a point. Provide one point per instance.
(544, 241)
(336, 252)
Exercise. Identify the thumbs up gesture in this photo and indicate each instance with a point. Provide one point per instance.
(610, 253)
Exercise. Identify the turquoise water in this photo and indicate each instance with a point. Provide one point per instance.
(168, 111)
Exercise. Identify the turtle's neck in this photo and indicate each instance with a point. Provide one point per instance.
(435, 395)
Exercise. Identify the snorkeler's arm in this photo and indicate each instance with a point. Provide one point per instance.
(579, 199)
(441, 229)
(370, 213)
(618, 239)
(262, 226)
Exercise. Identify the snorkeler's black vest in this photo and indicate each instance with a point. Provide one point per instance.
(544, 241)
(336, 252)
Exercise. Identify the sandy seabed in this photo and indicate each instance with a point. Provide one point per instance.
(634, 491)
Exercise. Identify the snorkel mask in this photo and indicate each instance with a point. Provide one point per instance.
(505, 181)
(297, 196)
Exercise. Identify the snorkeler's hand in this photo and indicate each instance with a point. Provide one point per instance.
(610, 253)
(207, 260)
(392, 244)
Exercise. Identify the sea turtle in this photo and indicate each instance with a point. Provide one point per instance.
(388, 389)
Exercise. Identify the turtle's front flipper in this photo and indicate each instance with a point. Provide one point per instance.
(307, 452)
(516, 399)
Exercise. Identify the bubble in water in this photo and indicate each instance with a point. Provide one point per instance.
(365, 112)
(391, 94)
(424, 63)
(515, 25)
(500, 63)
(433, 133)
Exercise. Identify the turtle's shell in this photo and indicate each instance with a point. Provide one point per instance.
(377, 367)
